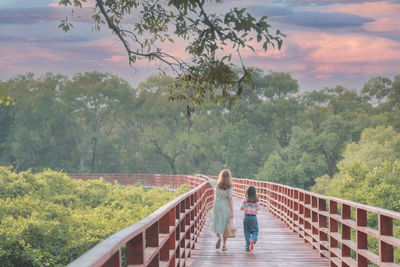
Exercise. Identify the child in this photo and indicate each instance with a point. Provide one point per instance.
(250, 206)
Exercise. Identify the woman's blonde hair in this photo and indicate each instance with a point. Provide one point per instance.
(224, 181)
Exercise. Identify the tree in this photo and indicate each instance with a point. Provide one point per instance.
(163, 129)
(38, 136)
(278, 85)
(369, 170)
(298, 164)
(93, 102)
(208, 37)
(385, 94)
(6, 121)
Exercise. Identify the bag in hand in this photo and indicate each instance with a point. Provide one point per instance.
(230, 229)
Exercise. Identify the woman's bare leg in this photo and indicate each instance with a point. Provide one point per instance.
(218, 244)
(224, 242)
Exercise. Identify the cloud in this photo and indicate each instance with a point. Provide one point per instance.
(322, 59)
(375, 9)
(270, 11)
(27, 15)
(325, 2)
(347, 54)
(385, 15)
(323, 20)
(34, 15)
(43, 40)
(311, 19)
(385, 25)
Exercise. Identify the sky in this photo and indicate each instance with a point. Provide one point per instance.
(328, 43)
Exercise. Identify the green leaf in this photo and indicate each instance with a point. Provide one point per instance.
(259, 38)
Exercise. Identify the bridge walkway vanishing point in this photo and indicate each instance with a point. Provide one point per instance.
(297, 228)
(277, 245)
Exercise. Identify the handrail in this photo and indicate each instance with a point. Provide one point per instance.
(164, 238)
(327, 224)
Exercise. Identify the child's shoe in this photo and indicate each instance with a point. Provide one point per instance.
(251, 247)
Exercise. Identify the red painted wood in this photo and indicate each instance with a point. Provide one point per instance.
(148, 243)
(318, 220)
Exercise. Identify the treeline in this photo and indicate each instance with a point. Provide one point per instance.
(95, 122)
(49, 219)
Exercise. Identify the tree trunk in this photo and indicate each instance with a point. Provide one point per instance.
(94, 141)
(173, 167)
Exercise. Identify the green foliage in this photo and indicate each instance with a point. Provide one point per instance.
(49, 219)
(211, 40)
(370, 170)
(95, 122)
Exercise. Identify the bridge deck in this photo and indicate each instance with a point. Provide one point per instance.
(277, 246)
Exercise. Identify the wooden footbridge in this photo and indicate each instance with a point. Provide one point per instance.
(297, 228)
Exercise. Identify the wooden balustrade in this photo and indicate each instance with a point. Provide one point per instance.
(164, 238)
(337, 228)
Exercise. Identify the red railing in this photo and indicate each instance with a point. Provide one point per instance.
(337, 228)
(164, 238)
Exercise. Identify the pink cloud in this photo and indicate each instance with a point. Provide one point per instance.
(270, 53)
(369, 9)
(316, 55)
(348, 48)
(386, 15)
(384, 25)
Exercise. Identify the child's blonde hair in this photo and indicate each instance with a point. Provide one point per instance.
(224, 181)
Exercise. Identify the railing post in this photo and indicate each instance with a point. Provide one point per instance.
(333, 227)
(314, 220)
(165, 224)
(307, 215)
(385, 229)
(346, 231)
(301, 214)
(177, 233)
(296, 208)
(115, 260)
(362, 242)
(152, 240)
(135, 250)
(322, 223)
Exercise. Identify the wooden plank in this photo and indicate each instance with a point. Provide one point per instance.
(350, 244)
(369, 255)
(349, 261)
(388, 264)
(391, 240)
(368, 231)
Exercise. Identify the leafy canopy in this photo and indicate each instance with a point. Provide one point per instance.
(210, 39)
(49, 219)
(369, 172)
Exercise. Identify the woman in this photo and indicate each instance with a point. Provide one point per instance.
(223, 206)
